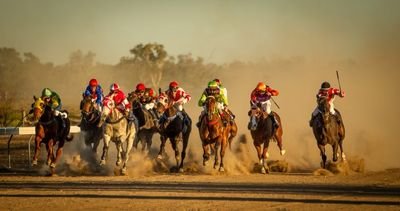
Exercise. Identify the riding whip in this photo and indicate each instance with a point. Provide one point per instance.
(337, 75)
(275, 103)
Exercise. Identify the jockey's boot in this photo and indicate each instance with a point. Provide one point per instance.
(249, 125)
(200, 118)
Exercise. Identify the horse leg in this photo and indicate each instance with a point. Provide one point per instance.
(174, 143)
(58, 153)
(223, 148)
(278, 139)
(149, 141)
(118, 145)
(259, 153)
(265, 168)
(343, 156)
(38, 140)
(104, 156)
(323, 155)
(163, 139)
(216, 161)
(129, 144)
(206, 154)
(335, 152)
(183, 154)
(50, 152)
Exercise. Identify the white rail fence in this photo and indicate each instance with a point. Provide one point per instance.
(11, 131)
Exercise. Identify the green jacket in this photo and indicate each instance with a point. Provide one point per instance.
(221, 97)
(55, 101)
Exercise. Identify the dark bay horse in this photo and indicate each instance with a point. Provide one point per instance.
(118, 129)
(146, 125)
(175, 129)
(90, 133)
(328, 129)
(213, 133)
(262, 131)
(50, 131)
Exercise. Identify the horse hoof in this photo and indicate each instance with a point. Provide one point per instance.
(180, 170)
(205, 163)
(159, 157)
(263, 171)
(123, 172)
(52, 165)
(118, 163)
(283, 152)
(34, 162)
(48, 162)
(221, 169)
(267, 155)
(102, 162)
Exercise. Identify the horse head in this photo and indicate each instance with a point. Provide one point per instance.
(324, 107)
(38, 107)
(211, 107)
(108, 107)
(255, 116)
(162, 103)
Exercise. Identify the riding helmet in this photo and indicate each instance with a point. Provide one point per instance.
(325, 85)
(93, 82)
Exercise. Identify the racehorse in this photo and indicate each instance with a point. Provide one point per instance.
(90, 133)
(146, 125)
(213, 132)
(175, 128)
(262, 131)
(118, 129)
(328, 129)
(49, 130)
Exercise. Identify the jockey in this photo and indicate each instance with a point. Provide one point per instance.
(96, 92)
(329, 93)
(224, 92)
(146, 97)
(121, 102)
(260, 97)
(177, 97)
(53, 100)
(213, 89)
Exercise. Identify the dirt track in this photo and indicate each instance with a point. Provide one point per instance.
(193, 190)
(370, 191)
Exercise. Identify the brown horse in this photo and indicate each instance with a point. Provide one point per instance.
(90, 133)
(175, 128)
(328, 129)
(262, 131)
(49, 130)
(146, 125)
(212, 131)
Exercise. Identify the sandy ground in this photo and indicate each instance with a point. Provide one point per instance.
(369, 191)
(150, 186)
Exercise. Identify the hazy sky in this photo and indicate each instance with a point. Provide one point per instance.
(219, 31)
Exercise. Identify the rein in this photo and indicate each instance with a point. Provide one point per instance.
(108, 121)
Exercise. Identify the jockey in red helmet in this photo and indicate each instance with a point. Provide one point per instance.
(119, 98)
(95, 91)
(326, 91)
(177, 97)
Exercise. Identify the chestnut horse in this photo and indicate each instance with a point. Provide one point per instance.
(175, 128)
(212, 132)
(118, 129)
(262, 131)
(328, 129)
(90, 133)
(49, 130)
